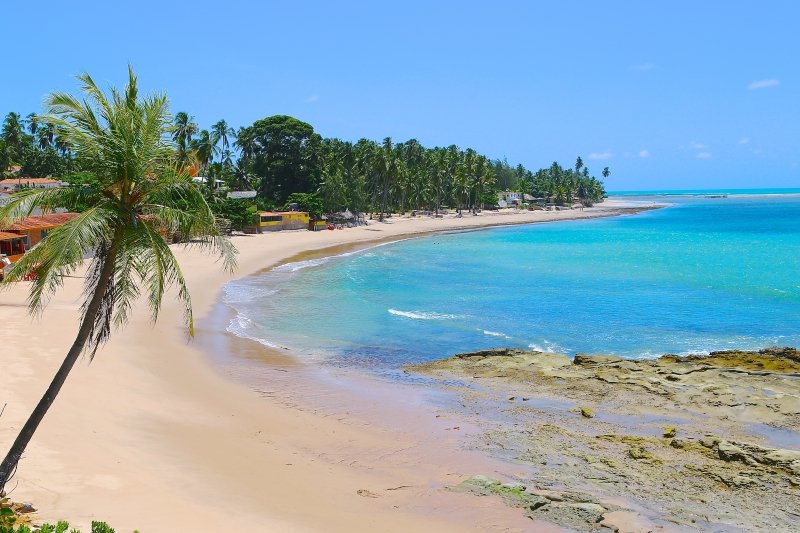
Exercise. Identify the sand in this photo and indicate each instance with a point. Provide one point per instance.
(153, 436)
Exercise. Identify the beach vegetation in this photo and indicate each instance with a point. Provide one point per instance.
(280, 156)
(62, 526)
(139, 196)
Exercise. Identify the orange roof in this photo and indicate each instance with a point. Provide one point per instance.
(8, 236)
(25, 181)
(42, 222)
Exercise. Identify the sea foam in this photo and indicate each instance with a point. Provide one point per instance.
(423, 315)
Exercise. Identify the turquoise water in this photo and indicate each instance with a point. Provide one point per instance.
(701, 275)
(705, 192)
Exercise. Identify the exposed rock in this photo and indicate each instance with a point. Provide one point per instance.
(586, 412)
(775, 359)
(23, 508)
(583, 359)
(640, 453)
(725, 406)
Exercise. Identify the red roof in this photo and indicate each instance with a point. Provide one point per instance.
(8, 236)
(42, 222)
(26, 181)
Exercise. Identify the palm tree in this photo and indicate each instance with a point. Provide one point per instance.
(13, 135)
(578, 165)
(183, 131)
(45, 136)
(141, 194)
(221, 132)
(606, 172)
(203, 151)
(33, 123)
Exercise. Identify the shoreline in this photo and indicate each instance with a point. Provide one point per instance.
(150, 425)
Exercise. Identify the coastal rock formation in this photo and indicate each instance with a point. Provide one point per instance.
(686, 441)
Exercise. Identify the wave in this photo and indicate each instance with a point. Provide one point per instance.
(547, 347)
(241, 291)
(241, 326)
(423, 315)
(495, 334)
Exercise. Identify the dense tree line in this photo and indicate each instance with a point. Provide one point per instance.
(34, 146)
(285, 161)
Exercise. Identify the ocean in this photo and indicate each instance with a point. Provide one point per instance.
(702, 274)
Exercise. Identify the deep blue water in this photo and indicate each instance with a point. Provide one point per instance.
(701, 275)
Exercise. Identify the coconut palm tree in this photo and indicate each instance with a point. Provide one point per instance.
(33, 123)
(203, 148)
(606, 172)
(182, 132)
(221, 132)
(141, 194)
(13, 134)
(578, 164)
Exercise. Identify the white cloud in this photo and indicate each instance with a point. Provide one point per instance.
(644, 66)
(696, 145)
(601, 155)
(764, 84)
(313, 98)
(744, 140)
(704, 155)
(644, 153)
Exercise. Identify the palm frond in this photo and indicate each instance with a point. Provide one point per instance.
(24, 203)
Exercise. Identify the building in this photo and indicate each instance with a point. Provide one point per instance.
(280, 220)
(18, 238)
(202, 180)
(36, 228)
(15, 184)
(12, 247)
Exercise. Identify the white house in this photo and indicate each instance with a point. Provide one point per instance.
(202, 180)
(14, 184)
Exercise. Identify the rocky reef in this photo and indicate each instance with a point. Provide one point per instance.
(673, 443)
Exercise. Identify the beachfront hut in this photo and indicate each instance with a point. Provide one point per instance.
(281, 220)
(35, 228)
(12, 246)
(15, 184)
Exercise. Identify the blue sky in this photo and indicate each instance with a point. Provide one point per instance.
(674, 95)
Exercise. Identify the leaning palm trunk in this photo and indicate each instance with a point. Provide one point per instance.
(13, 456)
(140, 196)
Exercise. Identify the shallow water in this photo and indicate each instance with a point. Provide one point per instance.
(701, 275)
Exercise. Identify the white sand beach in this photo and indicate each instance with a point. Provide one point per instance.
(152, 436)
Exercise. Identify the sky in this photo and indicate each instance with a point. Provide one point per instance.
(669, 95)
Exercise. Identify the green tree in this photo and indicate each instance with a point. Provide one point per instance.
(120, 140)
(183, 132)
(282, 153)
(309, 202)
(222, 133)
(13, 135)
(203, 148)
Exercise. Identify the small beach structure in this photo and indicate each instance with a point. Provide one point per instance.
(12, 247)
(15, 184)
(281, 220)
(35, 228)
